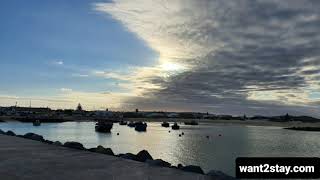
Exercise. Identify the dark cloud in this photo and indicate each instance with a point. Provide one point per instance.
(266, 46)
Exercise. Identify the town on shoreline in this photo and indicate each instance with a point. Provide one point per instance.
(45, 114)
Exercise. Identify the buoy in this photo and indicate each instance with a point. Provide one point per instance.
(169, 131)
(118, 134)
(182, 133)
(208, 137)
(179, 135)
(219, 134)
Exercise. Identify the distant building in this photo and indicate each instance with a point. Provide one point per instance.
(225, 117)
(155, 115)
(79, 107)
(172, 115)
(209, 116)
(103, 113)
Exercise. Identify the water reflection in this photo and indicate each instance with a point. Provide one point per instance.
(215, 152)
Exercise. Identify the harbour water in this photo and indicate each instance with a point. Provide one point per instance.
(219, 151)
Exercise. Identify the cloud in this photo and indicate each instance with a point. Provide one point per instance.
(58, 62)
(240, 56)
(80, 75)
(66, 90)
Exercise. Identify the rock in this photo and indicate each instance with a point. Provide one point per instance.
(158, 162)
(119, 155)
(10, 133)
(102, 150)
(219, 175)
(2, 132)
(143, 155)
(48, 141)
(74, 145)
(192, 168)
(129, 156)
(180, 166)
(33, 136)
(57, 143)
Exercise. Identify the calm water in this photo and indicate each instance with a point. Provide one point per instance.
(217, 152)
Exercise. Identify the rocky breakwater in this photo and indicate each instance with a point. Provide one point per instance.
(142, 156)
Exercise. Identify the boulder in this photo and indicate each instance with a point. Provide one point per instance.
(180, 166)
(192, 168)
(102, 150)
(219, 175)
(10, 133)
(74, 145)
(129, 156)
(57, 143)
(158, 162)
(143, 155)
(119, 155)
(48, 141)
(33, 136)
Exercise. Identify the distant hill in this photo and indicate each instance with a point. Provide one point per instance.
(287, 118)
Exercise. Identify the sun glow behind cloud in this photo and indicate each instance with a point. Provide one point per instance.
(225, 49)
(160, 25)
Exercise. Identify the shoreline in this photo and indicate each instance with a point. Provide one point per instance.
(203, 121)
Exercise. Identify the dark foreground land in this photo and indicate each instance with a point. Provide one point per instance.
(25, 159)
(304, 128)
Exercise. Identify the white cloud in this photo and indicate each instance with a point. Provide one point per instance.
(66, 90)
(80, 75)
(57, 62)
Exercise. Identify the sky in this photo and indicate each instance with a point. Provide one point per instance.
(225, 57)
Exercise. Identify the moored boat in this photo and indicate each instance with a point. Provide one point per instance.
(165, 124)
(175, 126)
(123, 123)
(140, 126)
(36, 123)
(103, 126)
(131, 124)
(192, 122)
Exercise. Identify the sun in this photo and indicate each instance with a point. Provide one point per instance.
(169, 66)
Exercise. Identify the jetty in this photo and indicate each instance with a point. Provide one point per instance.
(25, 159)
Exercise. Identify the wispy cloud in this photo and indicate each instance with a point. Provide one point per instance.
(79, 75)
(65, 90)
(58, 62)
